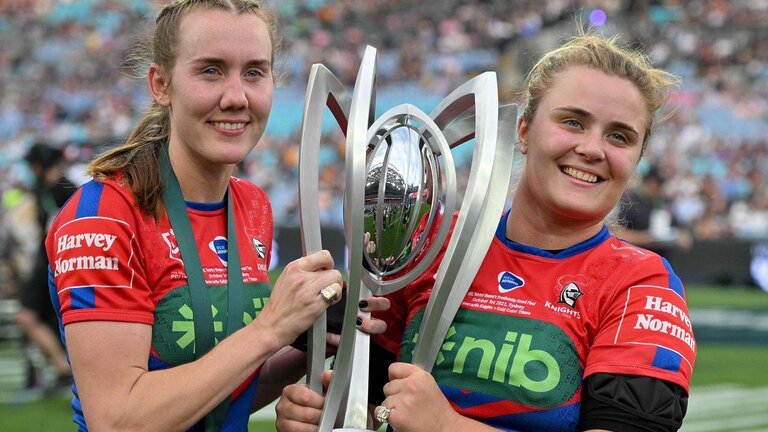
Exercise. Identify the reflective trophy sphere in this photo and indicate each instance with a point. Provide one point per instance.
(402, 196)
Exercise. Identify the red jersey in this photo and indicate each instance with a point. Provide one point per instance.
(110, 262)
(535, 324)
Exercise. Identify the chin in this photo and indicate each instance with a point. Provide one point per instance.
(230, 154)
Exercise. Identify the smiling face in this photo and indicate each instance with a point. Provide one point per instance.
(220, 91)
(582, 146)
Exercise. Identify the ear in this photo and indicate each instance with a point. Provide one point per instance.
(158, 85)
(522, 135)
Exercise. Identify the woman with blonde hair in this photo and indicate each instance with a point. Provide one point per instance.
(565, 327)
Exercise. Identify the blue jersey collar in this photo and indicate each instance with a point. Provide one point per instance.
(501, 234)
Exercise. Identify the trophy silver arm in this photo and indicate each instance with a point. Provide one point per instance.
(323, 90)
(351, 378)
(483, 204)
(462, 130)
(471, 111)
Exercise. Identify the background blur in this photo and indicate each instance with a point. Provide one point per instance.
(63, 80)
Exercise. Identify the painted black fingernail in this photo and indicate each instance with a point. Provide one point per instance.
(363, 304)
(359, 321)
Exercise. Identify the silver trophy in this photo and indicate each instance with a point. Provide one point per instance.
(399, 201)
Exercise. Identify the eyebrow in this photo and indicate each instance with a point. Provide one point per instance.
(586, 114)
(219, 61)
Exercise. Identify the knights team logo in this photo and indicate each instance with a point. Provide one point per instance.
(570, 294)
(259, 247)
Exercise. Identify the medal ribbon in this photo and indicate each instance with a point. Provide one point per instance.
(198, 290)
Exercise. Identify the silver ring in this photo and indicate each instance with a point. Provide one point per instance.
(382, 413)
(329, 294)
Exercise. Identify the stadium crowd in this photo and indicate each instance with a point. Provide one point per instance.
(64, 80)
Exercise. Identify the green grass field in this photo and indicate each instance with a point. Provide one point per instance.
(717, 363)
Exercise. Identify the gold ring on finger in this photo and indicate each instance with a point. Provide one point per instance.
(329, 294)
(382, 413)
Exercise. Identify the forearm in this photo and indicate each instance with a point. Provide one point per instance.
(174, 398)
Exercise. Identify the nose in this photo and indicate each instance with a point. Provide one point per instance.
(590, 146)
(233, 96)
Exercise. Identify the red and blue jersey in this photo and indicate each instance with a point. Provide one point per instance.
(110, 262)
(534, 324)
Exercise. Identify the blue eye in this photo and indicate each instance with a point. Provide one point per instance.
(618, 137)
(255, 73)
(572, 123)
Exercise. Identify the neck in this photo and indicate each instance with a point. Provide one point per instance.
(200, 182)
(532, 226)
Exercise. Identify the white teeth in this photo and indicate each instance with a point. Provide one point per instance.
(573, 172)
(229, 126)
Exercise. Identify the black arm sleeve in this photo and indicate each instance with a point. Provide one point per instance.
(631, 403)
(378, 374)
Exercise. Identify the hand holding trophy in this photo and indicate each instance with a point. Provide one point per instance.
(400, 180)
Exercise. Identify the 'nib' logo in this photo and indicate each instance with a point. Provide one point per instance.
(447, 345)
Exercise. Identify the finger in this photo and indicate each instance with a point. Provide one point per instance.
(302, 396)
(391, 388)
(374, 304)
(371, 325)
(390, 403)
(335, 293)
(332, 340)
(399, 370)
(321, 260)
(323, 278)
(297, 410)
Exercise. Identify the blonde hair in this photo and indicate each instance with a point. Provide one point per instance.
(604, 54)
(137, 157)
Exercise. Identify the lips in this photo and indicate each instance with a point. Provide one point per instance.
(580, 175)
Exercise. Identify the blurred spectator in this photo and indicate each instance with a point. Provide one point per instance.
(647, 220)
(36, 317)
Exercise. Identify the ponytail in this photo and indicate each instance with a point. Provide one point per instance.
(137, 161)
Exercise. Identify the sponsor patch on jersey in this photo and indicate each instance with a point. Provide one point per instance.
(509, 281)
(517, 359)
(93, 252)
(219, 246)
(657, 316)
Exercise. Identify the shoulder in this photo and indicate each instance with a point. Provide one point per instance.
(246, 189)
(627, 252)
(633, 266)
(104, 198)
